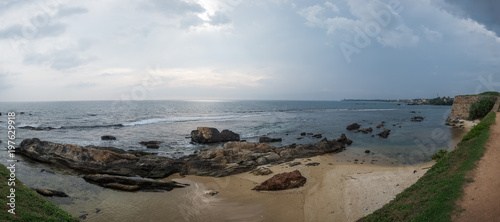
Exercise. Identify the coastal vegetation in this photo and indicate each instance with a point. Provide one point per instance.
(29, 205)
(433, 197)
(446, 101)
(479, 109)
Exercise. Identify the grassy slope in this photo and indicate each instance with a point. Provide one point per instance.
(30, 206)
(432, 197)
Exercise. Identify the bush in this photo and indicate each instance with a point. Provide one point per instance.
(479, 109)
(439, 155)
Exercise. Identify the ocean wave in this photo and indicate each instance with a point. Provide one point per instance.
(368, 110)
(187, 119)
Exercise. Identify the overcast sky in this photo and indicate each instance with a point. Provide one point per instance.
(235, 49)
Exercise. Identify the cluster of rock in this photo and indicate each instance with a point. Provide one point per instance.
(111, 167)
(356, 128)
(237, 157)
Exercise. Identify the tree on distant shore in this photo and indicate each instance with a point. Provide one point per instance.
(447, 101)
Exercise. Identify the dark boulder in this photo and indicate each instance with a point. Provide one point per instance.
(303, 133)
(319, 136)
(228, 135)
(131, 184)
(108, 137)
(367, 151)
(343, 139)
(212, 135)
(353, 126)
(385, 133)
(266, 139)
(283, 181)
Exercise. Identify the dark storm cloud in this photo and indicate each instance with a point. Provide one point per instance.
(486, 12)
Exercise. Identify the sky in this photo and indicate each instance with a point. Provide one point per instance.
(61, 50)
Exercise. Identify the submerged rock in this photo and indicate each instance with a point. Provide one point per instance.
(108, 137)
(417, 119)
(282, 181)
(385, 133)
(131, 184)
(266, 139)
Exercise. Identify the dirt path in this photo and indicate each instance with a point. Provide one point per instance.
(481, 199)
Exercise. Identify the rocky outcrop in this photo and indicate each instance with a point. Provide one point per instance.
(282, 181)
(385, 133)
(99, 160)
(266, 139)
(131, 184)
(212, 135)
(237, 157)
(50, 193)
(353, 126)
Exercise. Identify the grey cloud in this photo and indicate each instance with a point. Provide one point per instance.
(486, 12)
(68, 11)
(61, 59)
(190, 20)
(174, 7)
(219, 19)
(82, 85)
(30, 31)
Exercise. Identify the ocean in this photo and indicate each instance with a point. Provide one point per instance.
(83, 123)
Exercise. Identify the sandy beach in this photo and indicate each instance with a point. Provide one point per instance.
(334, 191)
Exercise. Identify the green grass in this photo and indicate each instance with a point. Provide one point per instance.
(490, 93)
(30, 206)
(433, 197)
